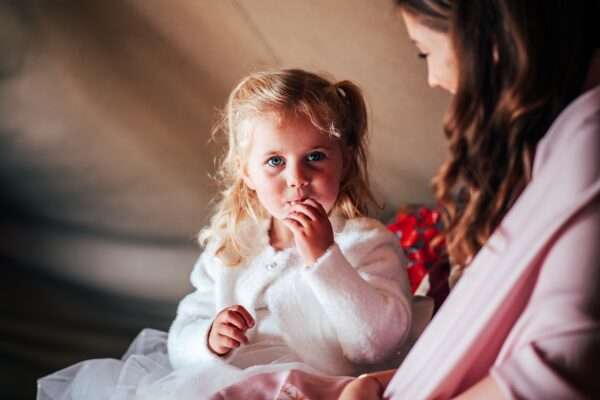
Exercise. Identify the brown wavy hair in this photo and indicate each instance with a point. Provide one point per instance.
(519, 64)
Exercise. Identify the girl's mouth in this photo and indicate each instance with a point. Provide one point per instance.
(298, 200)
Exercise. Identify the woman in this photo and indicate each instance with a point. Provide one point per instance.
(521, 189)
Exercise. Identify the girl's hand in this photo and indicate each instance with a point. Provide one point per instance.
(363, 388)
(228, 330)
(311, 228)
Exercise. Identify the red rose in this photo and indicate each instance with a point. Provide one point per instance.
(416, 273)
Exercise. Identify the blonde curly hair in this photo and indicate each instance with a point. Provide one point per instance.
(337, 109)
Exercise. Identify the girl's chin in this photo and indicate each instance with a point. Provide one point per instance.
(278, 217)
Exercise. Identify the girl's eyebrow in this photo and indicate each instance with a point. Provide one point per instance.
(308, 149)
(322, 144)
(271, 153)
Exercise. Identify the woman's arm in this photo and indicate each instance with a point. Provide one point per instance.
(372, 386)
(487, 388)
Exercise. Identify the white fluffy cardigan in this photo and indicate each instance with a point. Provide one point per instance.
(351, 307)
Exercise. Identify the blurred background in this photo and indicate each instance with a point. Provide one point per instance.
(106, 109)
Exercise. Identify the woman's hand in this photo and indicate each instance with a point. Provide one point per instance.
(365, 387)
(228, 330)
(311, 228)
(368, 386)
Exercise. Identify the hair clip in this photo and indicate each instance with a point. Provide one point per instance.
(341, 92)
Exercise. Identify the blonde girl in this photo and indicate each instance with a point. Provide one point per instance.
(293, 276)
(293, 270)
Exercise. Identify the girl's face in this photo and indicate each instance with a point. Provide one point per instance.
(436, 48)
(289, 161)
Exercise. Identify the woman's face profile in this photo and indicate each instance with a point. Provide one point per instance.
(435, 47)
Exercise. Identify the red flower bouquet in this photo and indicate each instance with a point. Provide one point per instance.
(418, 230)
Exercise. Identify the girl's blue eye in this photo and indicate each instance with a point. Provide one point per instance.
(275, 161)
(315, 156)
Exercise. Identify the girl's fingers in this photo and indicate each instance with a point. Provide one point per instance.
(309, 210)
(246, 316)
(233, 332)
(303, 220)
(233, 317)
(293, 225)
(228, 343)
(316, 205)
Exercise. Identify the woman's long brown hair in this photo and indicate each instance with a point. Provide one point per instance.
(520, 63)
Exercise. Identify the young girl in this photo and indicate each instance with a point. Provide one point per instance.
(293, 275)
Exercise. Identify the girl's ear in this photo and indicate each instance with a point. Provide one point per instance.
(246, 178)
(346, 159)
(248, 182)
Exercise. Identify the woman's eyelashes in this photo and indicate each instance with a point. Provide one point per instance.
(312, 157)
(422, 55)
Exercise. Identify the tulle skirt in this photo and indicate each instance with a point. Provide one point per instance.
(145, 373)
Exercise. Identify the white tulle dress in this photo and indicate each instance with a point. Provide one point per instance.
(346, 312)
(144, 372)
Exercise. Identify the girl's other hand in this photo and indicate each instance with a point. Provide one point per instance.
(228, 330)
(311, 228)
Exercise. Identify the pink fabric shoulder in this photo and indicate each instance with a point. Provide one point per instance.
(524, 309)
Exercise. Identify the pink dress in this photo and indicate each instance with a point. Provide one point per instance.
(527, 309)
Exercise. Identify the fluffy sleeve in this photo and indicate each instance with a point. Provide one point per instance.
(188, 335)
(362, 285)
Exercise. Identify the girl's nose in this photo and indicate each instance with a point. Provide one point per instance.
(296, 177)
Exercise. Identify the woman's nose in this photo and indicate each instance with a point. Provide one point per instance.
(441, 82)
(432, 80)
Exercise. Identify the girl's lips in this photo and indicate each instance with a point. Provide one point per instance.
(296, 201)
